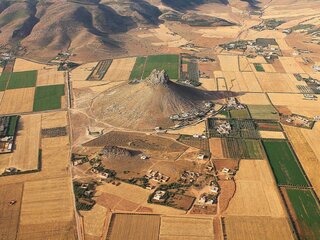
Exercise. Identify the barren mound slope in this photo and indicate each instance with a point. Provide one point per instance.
(148, 104)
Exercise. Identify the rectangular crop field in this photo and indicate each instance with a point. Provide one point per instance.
(9, 217)
(50, 77)
(22, 79)
(263, 112)
(284, 163)
(244, 148)
(4, 78)
(176, 227)
(120, 69)
(170, 63)
(134, 227)
(307, 211)
(239, 113)
(258, 67)
(268, 126)
(48, 97)
(17, 101)
(138, 68)
(252, 228)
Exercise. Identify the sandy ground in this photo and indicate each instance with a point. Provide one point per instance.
(186, 228)
(273, 135)
(25, 156)
(256, 191)
(50, 77)
(120, 69)
(82, 72)
(306, 155)
(17, 100)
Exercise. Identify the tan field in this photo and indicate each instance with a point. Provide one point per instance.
(120, 69)
(82, 72)
(229, 63)
(54, 216)
(177, 228)
(312, 137)
(258, 59)
(1, 95)
(209, 84)
(220, 32)
(277, 82)
(251, 82)
(54, 119)
(134, 227)
(290, 65)
(306, 155)
(244, 64)
(198, 128)
(296, 103)
(50, 77)
(254, 98)
(256, 191)
(252, 228)
(25, 65)
(216, 148)
(242, 82)
(95, 220)
(17, 101)
(268, 68)
(273, 135)
(26, 154)
(9, 217)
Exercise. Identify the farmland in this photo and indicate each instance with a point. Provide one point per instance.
(48, 97)
(284, 163)
(138, 68)
(170, 63)
(119, 70)
(244, 148)
(135, 227)
(263, 112)
(22, 79)
(307, 211)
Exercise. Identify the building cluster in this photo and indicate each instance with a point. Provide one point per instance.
(270, 24)
(233, 103)
(224, 128)
(160, 196)
(188, 177)
(157, 176)
(297, 121)
(7, 133)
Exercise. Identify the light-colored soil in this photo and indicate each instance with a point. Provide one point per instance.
(25, 65)
(26, 154)
(244, 64)
(17, 101)
(305, 153)
(120, 69)
(82, 72)
(229, 63)
(50, 77)
(216, 148)
(186, 228)
(256, 191)
(209, 84)
(268, 68)
(258, 59)
(254, 98)
(251, 228)
(94, 220)
(273, 135)
(54, 119)
(290, 65)
(47, 209)
(9, 218)
(134, 227)
(296, 103)
(191, 130)
(250, 81)
(277, 82)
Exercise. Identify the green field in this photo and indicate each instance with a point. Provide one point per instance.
(22, 79)
(48, 97)
(258, 67)
(239, 114)
(307, 210)
(284, 163)
(3, 81)
(170, 63)
(244, 148)
(138, 67)
(12, 125)
(263, 112)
